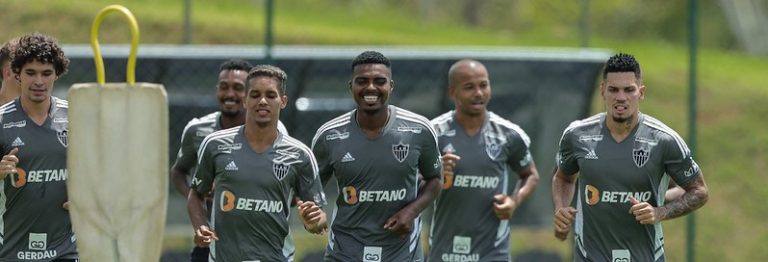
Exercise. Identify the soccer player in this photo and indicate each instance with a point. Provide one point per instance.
(35, 225)
(9, 88)
(624, 161)
(254, 170)
(376, 152)
(481, 151)
(230, 93)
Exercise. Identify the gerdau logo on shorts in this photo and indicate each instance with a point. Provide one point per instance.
(353, 196)
(592, 196)
(229, 201)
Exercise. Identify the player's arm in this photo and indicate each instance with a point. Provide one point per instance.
(321, 153)
(505, 206)
(202, 183)
(695, 196)
(673, 191)
(563, 187)
(185, 159)
(401, 223)
(312, 198)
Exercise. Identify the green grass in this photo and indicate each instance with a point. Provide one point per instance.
(732, 145)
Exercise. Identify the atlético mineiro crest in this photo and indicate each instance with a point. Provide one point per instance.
(280, 170)
(640, 156)
(492, 149)
(400, 151)
(62, 136)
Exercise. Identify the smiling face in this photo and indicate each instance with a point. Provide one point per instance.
(470, 88)
(622, 93)
(36, 81)
(230, 92)
(370, 86)
(264, 100)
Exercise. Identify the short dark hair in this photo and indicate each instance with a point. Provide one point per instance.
(269, 71)
(621, 63)
(40, 47)
(5, 51)
(236, 64)
(370, 57)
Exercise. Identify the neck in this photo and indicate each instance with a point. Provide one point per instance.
(36, 111)
(372, 121)
(620, 130)
(231, 121)
(8, 92)
(471, 124)
(260, 138)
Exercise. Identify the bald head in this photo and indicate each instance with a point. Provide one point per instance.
(462, 67)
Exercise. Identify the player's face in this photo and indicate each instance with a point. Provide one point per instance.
(36, 80)
(264, 100)
(471, 90)
(370, 86)
(622, 93)
(230, 91)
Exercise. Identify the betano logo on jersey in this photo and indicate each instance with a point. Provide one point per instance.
(228, 202)
(594, 196)
(467, 181)
(353, 196)
(22, 177)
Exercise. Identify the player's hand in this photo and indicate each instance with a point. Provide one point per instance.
(312, 216)
(504, 206)
(204, 236)
(8, 163)
(564, 217)
(449, 163)
(644, 212)
(401, 223)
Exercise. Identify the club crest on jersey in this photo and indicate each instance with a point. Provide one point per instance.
(642, 150)
(280, 170)
(492, 149)
(400, 151)
(63, 138)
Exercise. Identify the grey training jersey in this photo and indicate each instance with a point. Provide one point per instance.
(194, 133)
(252, 193)
(377, 177)
(34, 224)
(609, 173)
(464, 226)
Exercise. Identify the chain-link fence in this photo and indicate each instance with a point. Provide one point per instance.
(540, 90)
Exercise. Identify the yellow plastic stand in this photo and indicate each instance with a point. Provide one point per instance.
(118, 161)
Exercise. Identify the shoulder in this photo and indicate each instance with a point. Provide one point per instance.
(208, 120)
(225, 136)
(60, 103)
(8, 109)
(333, 124)
(413, 120)
(586, 123)
(292, 144)
(508, 127)
(663, 132)
(442, 122)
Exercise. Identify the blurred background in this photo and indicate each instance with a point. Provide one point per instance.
(543, 57)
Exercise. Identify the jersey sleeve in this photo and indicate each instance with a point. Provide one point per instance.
(309, 186)
(518, 147)
(430, 162)
(202, 182)
(565, 158)
(322, 155)
(187, 156)
(678, 161)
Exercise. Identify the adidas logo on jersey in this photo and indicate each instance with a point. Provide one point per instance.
(17, 142)
(591, 154)
(347, 158)
(231, 166)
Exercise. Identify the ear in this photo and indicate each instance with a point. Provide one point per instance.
(283, 102)
(391, 85)
(642, 92)
(602, 88)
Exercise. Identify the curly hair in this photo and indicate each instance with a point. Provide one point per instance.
(621, 63)
(269, 71)
(41, 48)
(370, 57)
(5, 51)
(236, 64)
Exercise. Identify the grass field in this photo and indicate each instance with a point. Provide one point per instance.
(732, 146)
